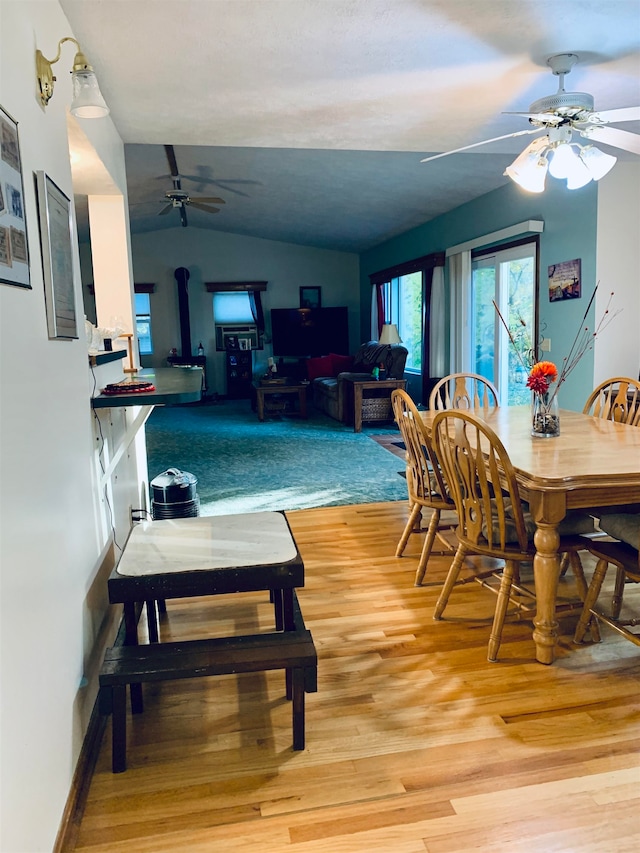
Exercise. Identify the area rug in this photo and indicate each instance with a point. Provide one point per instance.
(284, 463)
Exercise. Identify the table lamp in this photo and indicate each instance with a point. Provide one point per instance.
(389, 334)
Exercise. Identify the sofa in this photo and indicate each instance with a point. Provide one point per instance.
(326, 374)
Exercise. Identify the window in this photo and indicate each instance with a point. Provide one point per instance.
(509, 277)
(143, 323)
(405, 310)
(229, 308)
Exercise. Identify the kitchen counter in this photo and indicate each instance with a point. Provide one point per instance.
(173, 385)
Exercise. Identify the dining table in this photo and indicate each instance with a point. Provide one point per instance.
(593, 465)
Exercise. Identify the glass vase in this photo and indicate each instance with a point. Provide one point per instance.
(545, 418)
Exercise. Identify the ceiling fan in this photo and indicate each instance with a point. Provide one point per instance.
(558, 117)
(178, 198)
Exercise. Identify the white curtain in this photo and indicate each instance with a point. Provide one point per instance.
(460, 289)
(437, 337)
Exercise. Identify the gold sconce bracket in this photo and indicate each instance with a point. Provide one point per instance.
(91, 103)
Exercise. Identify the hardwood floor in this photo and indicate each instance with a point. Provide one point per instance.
(414, 741)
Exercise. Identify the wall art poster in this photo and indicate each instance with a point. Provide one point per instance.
(54, 210)
(14, 255)
(565, 281)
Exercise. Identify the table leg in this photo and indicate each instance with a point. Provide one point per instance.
(260, 403)
(276, 598)
(357, 407)
(130, 624)
(131, 639)
(546, 570)
(152, 620)
(287, 609)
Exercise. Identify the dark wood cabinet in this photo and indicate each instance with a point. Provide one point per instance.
(239, 374)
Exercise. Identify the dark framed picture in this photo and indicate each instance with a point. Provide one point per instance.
(14, 256)
(54, 211)
(310, 297)
(565, 281)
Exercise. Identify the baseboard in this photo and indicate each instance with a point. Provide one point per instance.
(77, 799)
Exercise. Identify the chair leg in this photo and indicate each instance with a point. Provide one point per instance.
(573, 559)
(450, 581)
(590, 600)
(408, 530)
(501, 610)
(428, 545)
(618, 592)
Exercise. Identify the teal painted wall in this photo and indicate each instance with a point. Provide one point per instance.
(570, 230)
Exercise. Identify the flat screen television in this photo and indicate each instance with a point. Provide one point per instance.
(300, 332)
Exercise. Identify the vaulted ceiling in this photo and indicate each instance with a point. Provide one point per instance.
(310, 117)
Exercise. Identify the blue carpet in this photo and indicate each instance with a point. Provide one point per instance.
(243, 465)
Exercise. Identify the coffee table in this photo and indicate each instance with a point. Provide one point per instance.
(289, 387)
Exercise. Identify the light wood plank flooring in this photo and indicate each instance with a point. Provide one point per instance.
(414, 741)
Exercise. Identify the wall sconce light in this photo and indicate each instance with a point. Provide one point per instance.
(87, 98)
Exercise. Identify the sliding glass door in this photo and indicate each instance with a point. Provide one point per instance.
(507, 277)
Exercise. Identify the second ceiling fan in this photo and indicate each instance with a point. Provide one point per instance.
(178, 198)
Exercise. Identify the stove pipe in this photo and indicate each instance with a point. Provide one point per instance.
(182, 277)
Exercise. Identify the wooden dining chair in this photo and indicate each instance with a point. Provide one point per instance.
(616, 399)
(425, 485)
(624, 554)
(463, 391)
(492, 519)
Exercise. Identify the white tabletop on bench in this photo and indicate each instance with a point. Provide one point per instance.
(212, 542)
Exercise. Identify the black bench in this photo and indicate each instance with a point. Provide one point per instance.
(293, 651)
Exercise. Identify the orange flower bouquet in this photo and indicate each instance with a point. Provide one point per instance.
(542, 374)
(544, 379)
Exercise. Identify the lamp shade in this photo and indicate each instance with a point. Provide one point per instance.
(87, 97)
(597, 162)
(389, 334)
(529, 169)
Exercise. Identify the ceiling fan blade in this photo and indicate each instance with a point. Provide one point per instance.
(206, 199)
(183, 216)
(548, 118)
(623, 114)
(165, 210)
(617, 138)
(204, 207)
(171, 159)
(484, 142)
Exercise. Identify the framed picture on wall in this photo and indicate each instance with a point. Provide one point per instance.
(14, 256)
(54, 210)
(310, 297)
(565, 281)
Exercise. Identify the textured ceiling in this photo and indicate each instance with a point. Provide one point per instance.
(310, 117)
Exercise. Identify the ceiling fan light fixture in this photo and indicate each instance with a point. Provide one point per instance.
(532, 177)
(579, 177)
(529, 169)
(564, 161)
(597, 162)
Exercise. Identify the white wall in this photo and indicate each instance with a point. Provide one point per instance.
(217, 256)
(617, 350)
(55, 530)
